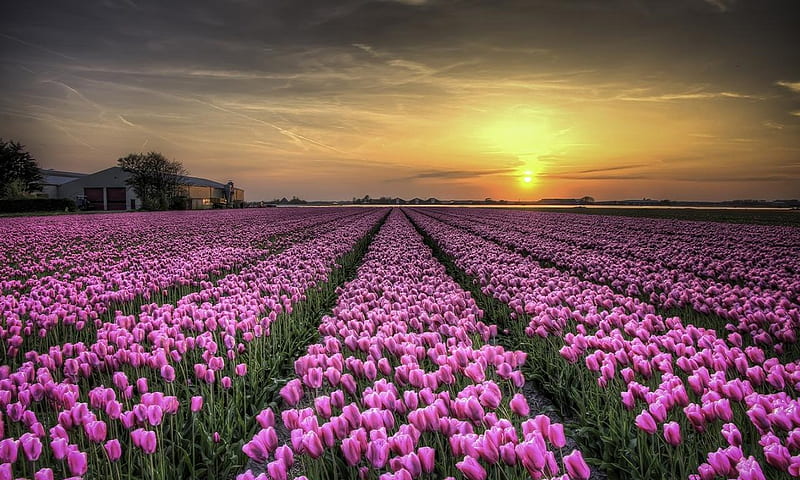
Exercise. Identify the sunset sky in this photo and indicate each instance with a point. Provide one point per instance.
(679, 99)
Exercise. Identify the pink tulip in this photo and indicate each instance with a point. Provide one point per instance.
(531, 454)
(556, 435)
(508, 454)
(285, 453)
(43, 474)
(312, 444)
(732, 435)
(266, 418)
(778, 456)
(292, 392)
(377, 453)
(8, 450)
(277, 470)
(141, 385)
(31, 446)
(96, 431)
(168, 373)
(471, 469)
(426, 458)
(59, 446)
(351, 448)
(672, 433)
(144, 439)
(519, 405)
(196, 403)
(154, 415)
(646, 422)
(113, 449)
(749, 469)
(576, 466)
(77, 462)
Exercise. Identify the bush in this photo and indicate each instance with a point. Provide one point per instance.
(21, 205)
(179, 203)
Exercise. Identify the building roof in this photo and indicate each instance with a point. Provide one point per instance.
(201, 182)
(191, 181)
(58, 177)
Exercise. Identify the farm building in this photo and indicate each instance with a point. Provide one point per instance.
(53, 179)
(108, 190)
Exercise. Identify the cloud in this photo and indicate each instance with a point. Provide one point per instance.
(38, 47)
(793, 86)
(668, 97)
(366, 48)
(415, 3)
(125, 121)
(611, 169)
(458, 174)
(721, 5)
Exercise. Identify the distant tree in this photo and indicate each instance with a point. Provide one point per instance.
(586, 200)
(19, 172)
(154, 178)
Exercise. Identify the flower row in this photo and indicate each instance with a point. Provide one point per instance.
(115, 391)
(406, 383)
(681, 374)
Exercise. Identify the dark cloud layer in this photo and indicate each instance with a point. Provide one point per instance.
(454, 96)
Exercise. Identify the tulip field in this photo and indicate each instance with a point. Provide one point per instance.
(397, 343)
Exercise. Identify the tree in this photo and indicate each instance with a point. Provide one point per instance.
(19, 173)
(155, 179)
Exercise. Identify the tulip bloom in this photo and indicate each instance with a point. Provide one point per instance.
(43, 474)
(672, 433)
(113, 449)
(312, 444)
(555, 433)
(144, 439)
(196, 403)
(8, 450)
(277, 470)
(426, 458)
(351, 448)
(519, 405)
(646, 422)
(576, 466)
(378, 453)
(471, 469)
(168, 373)
(31, 446)
(77, 462)
(96, 431)
(292, 392)
(266, 418)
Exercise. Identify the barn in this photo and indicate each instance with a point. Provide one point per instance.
(108, 190)
(53, 179)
